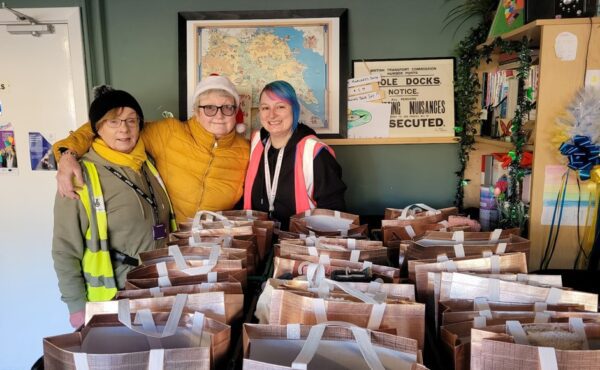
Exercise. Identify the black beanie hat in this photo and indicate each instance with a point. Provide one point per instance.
(105, 99)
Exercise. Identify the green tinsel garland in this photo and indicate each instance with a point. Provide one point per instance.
(467, 89)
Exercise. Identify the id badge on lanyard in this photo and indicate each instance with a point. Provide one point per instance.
(272, 187)
(159, 231)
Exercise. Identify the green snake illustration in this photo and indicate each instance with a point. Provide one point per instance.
(359, 117)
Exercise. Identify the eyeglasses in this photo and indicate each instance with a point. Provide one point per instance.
(211, 110)
(116, 123)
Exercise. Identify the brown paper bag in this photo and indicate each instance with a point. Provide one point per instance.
(404, 292)
(298, 266)
(457, 337)
(419, 211)
(458, 310)
(216, 305)
(228, 287)
(173, 270)
(427, 248)
(112, 341)
(344, 249)
(472, 237)
(512, 262)
(394, 230)
(408, 318)
(346, 243)
(462, 286)
(245, 214)
(434, 284)
(277, 347)
(186, 273)
(244, 242)
(456, 341)
(206, 223)
(569, 346)
(325, 222)
(237, 276)
(192, 254)
(375, 290)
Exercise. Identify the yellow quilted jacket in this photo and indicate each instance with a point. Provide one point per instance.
(199, 172)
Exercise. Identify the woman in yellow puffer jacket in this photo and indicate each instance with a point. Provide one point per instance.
(202, 161)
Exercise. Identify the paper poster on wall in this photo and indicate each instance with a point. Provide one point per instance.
(553, 181)
(8, 152)
(419, 91)
(40, 152)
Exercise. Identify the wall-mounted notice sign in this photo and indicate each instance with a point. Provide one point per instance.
(420, 92)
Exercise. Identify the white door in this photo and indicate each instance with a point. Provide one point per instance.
(42, 89)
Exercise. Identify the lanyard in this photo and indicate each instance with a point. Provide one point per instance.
(272, 188)
(150, 199)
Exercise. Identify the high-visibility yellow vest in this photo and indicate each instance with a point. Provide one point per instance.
(96, 264)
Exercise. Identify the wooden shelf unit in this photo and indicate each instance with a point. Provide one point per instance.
(393, 141)
(558, 83)
(501, 143)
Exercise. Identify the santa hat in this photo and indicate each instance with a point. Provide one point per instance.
(216, 82)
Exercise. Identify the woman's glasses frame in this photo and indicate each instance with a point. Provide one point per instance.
(116, 122)
(211, 110)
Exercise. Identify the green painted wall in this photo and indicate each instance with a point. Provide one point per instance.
(132, 44)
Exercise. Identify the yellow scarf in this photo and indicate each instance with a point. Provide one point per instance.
(134, 160)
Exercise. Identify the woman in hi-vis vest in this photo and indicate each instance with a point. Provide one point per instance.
(299, 172)
(122, 210)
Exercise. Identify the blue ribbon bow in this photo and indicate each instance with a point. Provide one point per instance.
(582, 154)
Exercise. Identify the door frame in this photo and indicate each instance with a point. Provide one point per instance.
(71, 16)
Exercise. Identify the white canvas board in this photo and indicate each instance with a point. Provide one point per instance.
(368, 120)
(327, 223)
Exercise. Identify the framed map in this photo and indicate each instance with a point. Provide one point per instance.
(307, 48)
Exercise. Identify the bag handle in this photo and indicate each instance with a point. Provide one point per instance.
(195, 241)
(175, 252)
(361, 336)
(315, 273)
(197, 224)
(377, 302)
(514, 328)
(365, 297)
(149, 329)
(430, 211)
(547, 358)
(124, 316)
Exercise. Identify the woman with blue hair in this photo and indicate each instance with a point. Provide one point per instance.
(290, 169)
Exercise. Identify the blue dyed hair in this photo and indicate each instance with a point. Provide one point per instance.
(284, 91)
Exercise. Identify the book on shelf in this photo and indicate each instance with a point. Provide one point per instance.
(506, 58)
(499, 97)
(526, 188)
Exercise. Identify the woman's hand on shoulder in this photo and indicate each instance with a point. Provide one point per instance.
(69, 177)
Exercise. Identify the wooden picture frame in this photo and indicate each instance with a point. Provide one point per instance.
(308, 48)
